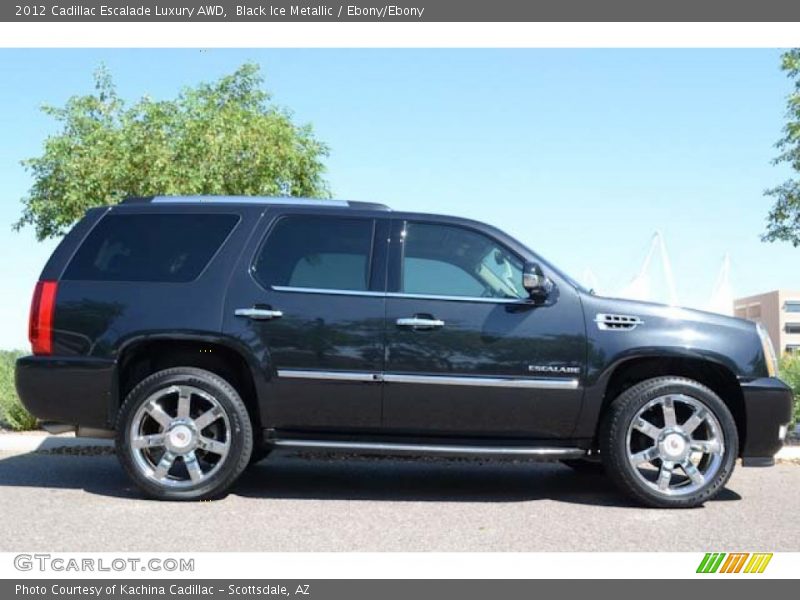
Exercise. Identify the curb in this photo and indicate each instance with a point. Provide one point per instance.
(27, 443)
(788, 453)
(43, 443)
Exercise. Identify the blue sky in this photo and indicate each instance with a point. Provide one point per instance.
(581, 154)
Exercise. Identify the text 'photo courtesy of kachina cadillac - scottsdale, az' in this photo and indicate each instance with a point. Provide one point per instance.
(266, 308)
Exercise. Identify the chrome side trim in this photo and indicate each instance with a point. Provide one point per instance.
(336, 292)
(458, 298)
(529, 382)
(507, 382)
(446, 449)
(299, 290)
(329, 375)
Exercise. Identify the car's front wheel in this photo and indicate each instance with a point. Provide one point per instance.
(669, 442)
(184, 434)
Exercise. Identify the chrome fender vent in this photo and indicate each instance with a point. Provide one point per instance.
(608, 322)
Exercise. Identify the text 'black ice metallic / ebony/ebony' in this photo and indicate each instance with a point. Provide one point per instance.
(202, 332)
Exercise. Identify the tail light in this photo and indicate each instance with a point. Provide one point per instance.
(40, 325)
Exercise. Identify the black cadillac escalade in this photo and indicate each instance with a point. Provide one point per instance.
(202, 332)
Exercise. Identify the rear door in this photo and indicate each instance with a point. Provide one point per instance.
(468, 354)
(311, 305)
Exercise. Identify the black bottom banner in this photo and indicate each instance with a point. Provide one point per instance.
(380, 589)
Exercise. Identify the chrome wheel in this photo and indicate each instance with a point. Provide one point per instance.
(675, 444)
(180, 436)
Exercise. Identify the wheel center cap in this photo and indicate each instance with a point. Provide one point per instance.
(180, 437)
(674, 445)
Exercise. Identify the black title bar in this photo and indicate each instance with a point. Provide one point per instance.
(402, 10)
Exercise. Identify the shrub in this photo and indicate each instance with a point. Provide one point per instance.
(12, 414)
(790, 373)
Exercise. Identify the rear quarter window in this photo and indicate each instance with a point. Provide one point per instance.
(150, 247)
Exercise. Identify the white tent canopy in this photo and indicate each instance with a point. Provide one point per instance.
(642, 287)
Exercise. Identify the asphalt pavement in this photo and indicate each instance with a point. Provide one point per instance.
(67, 502)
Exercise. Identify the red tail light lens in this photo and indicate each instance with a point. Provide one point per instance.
(40, 325)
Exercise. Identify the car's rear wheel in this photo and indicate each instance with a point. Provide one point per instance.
(184, 434)
(669, 442)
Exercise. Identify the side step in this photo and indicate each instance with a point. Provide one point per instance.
(530, 452)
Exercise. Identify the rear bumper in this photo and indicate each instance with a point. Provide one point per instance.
(76, 391)
(768, 408)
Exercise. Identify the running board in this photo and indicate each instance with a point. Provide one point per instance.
(531, 452)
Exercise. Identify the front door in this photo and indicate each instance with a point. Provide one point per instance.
(468, 353)
(312, 306)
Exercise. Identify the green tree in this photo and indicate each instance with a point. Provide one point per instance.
(12, 414)
(783, 222)
(790, 373)
(225, 137)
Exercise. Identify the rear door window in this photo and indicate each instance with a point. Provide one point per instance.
(150, 247)
(320, 252)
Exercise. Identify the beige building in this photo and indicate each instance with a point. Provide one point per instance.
(779, 311)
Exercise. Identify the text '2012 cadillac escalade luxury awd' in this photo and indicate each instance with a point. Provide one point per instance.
(203, 331)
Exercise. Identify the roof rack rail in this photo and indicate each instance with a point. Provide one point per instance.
(265, 200)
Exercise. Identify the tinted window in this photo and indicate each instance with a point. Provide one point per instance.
(317, 252)
(151, 247)
(792, 306)
(443, 260)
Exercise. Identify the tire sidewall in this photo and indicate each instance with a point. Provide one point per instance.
(241, 433)
(614, 439)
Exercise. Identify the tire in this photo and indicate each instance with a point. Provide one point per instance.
(697, 432)
(184, 434)
(585, 467)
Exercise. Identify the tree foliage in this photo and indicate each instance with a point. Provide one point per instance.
(783, 222)
(12, 414)
(224, 137)
(790, 373)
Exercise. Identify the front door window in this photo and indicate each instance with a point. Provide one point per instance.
(444, 260)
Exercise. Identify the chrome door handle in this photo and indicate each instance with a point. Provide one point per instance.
(420, 322)
(258, 314)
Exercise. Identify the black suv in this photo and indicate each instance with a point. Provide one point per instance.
(204, 331)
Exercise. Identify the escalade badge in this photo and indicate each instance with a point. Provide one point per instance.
(557, 370)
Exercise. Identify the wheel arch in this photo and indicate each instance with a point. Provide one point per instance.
(140, 357)
(714, 375)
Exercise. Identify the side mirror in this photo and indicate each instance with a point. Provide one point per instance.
(536, 282)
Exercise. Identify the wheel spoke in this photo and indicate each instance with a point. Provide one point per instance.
(207, 418)
(706, 446)
(643, 456)
(148, 441)
(159, 415)
(213, 446)
(164, 465)
(163, 434)
(694, 421)
(184, 402)
(669, 412)
(665, 475)
(193, 466)
(647, 428)
(693, 473)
